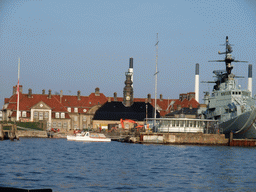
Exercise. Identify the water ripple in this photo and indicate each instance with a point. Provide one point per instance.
(76, 166)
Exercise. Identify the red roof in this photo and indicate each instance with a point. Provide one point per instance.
(60, 104)
(57, 105)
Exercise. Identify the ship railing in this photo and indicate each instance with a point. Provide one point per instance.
(185, 125)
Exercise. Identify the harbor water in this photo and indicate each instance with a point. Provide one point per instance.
(61, 165)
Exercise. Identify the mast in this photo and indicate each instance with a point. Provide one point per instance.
(18, 92)
(156, 72)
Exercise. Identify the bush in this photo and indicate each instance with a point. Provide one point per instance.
(30, 125)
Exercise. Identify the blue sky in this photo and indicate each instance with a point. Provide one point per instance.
(80, 45)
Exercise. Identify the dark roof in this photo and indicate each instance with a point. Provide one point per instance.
(185, 111)
(116, 110)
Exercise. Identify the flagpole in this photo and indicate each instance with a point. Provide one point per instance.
(18, 92)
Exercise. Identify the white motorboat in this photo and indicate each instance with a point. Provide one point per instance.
(87, 136)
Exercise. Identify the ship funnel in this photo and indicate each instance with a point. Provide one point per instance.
(197, 83)
(250, 78)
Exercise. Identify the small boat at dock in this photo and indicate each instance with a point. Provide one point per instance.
(87, 136)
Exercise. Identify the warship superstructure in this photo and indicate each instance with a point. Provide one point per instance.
(233, 107)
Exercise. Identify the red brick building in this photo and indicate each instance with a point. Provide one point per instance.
(76, 111)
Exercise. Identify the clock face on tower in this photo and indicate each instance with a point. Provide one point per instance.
(128, 97)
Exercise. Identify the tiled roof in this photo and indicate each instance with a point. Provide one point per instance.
(60, 104)
(57, 105)
(6, 100)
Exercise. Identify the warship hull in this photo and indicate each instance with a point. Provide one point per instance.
(242, 126)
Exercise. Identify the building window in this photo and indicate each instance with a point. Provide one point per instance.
(75, 118)
(84, 118)
(65, 125)
(35, 114)
(57, 115)
(84, 126)
(69, 109)
(41, 115)
(76, 110)
(63, 115)
(54, 124)
(59, 125)
(24, 114)
(46, 115)
(19, 113)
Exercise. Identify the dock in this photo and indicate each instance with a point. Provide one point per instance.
(8, 131)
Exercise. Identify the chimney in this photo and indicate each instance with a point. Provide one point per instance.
(29, 93)
(78, 95)
(43, 91)
(97, 91)
(50, 94)
(109, 99)
(14, 90)
(115, 96)
(61, 95)
(183, 96)
(149, 98)
(161, 97)
(250, 78)
(197, 83)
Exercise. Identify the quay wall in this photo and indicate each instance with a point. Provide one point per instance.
(185, 138)
(37, 134)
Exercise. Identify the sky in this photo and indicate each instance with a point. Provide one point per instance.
(73, 45)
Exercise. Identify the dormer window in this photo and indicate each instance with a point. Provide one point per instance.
(62, 115)
(75, 109)
(57, 115)
(69, 109)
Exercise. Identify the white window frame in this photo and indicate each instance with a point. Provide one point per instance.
(69, 109)
(75, 109)
(62, 115)
(41, 116)
(57, 115)
(35, 114)
(54, 124)
(59, 124)
(46, 115)
(24, 114)
(65, 125)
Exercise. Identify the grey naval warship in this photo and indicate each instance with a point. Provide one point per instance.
(233, 107)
